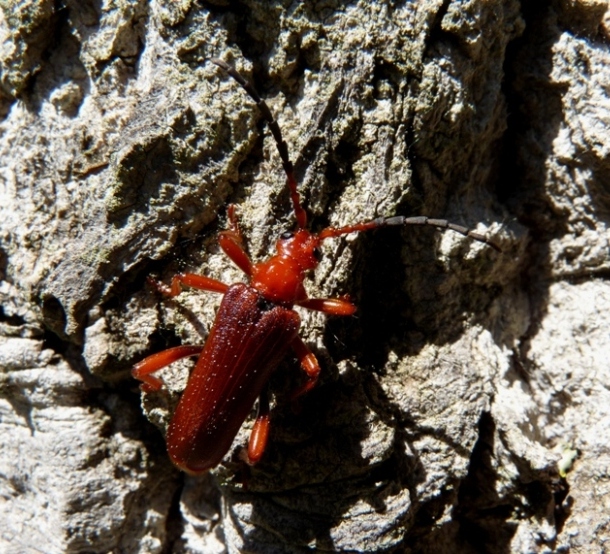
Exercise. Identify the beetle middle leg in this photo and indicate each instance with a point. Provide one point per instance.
(307, 359)
(192, 280)
(330, 306)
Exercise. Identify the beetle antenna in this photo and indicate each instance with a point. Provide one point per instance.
(400, 220)
(282, 147)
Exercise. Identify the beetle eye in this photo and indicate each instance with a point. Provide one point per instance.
(317, 254)
(287, 235)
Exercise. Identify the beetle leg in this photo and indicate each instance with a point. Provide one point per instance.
(143, 370)
(200, 282)
(260, 431)
(232, 243)
(234, 224)
(331, 306)
(309, 364)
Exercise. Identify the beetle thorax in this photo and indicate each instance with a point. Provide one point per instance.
(280, 279)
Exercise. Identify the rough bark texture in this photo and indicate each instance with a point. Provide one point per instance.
(464, 409)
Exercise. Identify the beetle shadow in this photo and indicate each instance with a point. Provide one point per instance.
(389, 319)
(407, 299)
(314, 474)
(310, 482)
(316, 464)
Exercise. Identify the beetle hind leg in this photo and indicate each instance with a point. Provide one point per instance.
(260, 431)
(143, 370)
(309, 364)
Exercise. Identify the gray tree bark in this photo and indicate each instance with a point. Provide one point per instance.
(465, 407)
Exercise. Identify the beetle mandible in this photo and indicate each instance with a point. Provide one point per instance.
(254, 329)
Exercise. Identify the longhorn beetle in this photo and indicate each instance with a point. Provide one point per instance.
(254, 329)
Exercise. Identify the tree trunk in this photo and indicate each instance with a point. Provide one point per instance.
(464, 408)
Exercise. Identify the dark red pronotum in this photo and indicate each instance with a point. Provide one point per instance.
(255, 327)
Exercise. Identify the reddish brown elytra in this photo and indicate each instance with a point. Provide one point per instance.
(255, 327)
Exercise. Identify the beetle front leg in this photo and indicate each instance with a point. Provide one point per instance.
(143, 370)
(232, 243)
(309, 364)
(260, 430)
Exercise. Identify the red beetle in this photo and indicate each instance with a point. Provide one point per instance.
(254, 329)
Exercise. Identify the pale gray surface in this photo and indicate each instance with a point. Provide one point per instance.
(469, 381)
